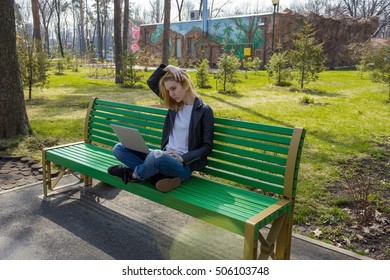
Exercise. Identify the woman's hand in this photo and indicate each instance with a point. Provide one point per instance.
(175, 155)
(177, 72)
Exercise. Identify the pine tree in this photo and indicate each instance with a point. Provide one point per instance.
(228, 66)
(381, 71)
(307, 57)
(202, 74)
(277, 65)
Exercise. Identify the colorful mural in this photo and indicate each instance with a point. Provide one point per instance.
(237, 33)
(134, 35)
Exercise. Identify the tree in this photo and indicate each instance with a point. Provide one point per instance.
(99, 31)
(202, 74)
(13, 113)
(57, 5)
(307, 58)
(228, 66)
(118, 42)
(37, 26)
(381, 72)
(179, 4)
(166, 31)
(131, 75)
(32, 63)
(126, 21)
(46, 8)
(366, 9)
(277, 65)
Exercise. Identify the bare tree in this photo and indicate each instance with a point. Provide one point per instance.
(47, 9)
(166, 31)
(155, 5)
(217, 8)
(179, 4)
(13, 113)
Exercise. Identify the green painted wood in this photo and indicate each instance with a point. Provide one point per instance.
(242, 142)
(250, 153)
(132, 107)
(130, 115)
(255, 135)
(248, 162)
(254, 126)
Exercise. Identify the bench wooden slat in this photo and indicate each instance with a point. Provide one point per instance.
(255, 126)
(250, 144)
(218, 173)
(247, 172)
(248, 162)
(103, 118)
(131, 107)
(254, 135)
(249, 153)
(149, 138)
(125, 115)
(104, 124)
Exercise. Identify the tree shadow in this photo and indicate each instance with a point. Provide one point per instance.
(253, 112)
(314, 91)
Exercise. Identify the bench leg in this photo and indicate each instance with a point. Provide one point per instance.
(276, 234)
(250, 242)
(276, 245)
(87, 180)
(46, 173)
(283, 244)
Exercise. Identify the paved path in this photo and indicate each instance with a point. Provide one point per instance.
(106, 223)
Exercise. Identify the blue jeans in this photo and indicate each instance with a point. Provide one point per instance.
(148, 165)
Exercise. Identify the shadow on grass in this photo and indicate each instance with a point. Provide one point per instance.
(314, 91)
(253, 112)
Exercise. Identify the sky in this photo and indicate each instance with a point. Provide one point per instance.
(268, 3)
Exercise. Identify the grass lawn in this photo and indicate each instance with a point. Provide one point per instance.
(349, 119)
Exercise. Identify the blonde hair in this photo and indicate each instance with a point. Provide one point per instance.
(185, 82)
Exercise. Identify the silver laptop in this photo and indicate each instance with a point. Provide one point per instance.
(130, 138)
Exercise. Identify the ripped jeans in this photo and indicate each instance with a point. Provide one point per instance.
(148, 165)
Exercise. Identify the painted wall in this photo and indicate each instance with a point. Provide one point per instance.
(188, 43)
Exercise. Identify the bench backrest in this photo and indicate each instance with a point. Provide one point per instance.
(260, 156)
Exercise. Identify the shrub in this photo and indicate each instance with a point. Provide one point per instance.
(306, 100)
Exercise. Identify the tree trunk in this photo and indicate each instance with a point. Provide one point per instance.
(118, 42)
(81, 29)
(37, 26)
(13, 114)
(99, 31)
(166, 32)
(58, 10)
(126, 28)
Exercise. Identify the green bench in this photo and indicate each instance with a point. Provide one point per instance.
(250, 181)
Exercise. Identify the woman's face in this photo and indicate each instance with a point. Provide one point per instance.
(176, 90)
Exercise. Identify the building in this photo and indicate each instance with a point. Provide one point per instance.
(251, 35)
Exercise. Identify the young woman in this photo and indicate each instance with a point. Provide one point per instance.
(187, 135)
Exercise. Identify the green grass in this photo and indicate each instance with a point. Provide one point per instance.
(348, 116)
